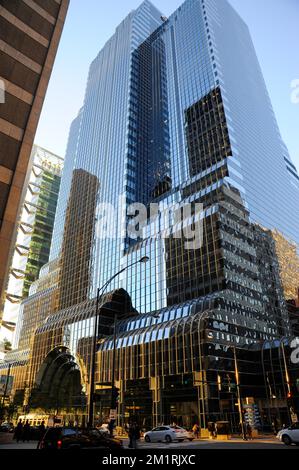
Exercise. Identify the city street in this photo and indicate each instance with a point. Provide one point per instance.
(234, 443)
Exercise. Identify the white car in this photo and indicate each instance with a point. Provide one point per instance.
(104, 429)
(289, 435)
(167, 434)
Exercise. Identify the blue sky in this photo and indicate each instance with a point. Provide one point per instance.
(273, 25)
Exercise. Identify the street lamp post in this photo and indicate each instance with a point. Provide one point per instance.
(100, 293)
(239, 393)
(287, 377)
(113, 399)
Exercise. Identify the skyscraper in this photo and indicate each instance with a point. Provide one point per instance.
(176, 112)
(132, 136)
(29, 38)
(35, 228)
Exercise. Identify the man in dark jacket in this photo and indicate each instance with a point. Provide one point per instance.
(134, 435)
(18, 431)
(26, 431)
(41, 430)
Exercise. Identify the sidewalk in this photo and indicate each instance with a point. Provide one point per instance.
(6, 438)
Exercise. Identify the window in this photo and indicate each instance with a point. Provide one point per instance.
(69, 432)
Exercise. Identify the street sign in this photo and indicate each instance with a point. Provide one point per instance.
(103, 387)
(113, 414)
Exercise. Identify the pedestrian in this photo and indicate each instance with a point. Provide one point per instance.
(18, 431)
(26, 431)
(195, 430)
(213, 430)
(41, 429)
(135, 435)
(244, 430)
(275, 426)
(249, 431)
(130, 434)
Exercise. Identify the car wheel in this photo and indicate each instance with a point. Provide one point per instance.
(181, 440)
(168, 439)
(190, 439)
(286, 440)
(147, 439)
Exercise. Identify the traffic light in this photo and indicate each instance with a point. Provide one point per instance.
(290, 402)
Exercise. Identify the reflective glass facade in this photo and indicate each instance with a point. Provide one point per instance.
(70, 160)
(173, 113)
(268, 177)
(35, 229)
(131, 133)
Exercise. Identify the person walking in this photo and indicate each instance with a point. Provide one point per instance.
(249, 431)
(275, 426)
(135, 435)
(214, 430)
(18, 431)
(244, 430)
(130, 434)
(111, 426)
(195, 430)
(42, 430)
(26, 431)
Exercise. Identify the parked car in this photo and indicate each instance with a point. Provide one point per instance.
(69, 438)
(289, 435)
(168, 434)
(34, 433)
(6, 427)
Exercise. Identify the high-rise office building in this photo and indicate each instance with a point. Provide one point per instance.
(35, 228)
(29, 37)
(288, 257)
(176, 112)
(132, 133)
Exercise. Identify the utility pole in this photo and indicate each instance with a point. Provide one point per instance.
(238, 392)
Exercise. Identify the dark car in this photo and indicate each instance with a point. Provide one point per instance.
(69, 438)
(35, 433)
(6, 427)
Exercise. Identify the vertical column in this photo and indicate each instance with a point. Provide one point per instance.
(200, 383)
(120, 384)
(155, 387)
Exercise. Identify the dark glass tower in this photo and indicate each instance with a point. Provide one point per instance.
(172, 108)
(176, 112)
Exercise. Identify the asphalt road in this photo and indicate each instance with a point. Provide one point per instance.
(261, 443)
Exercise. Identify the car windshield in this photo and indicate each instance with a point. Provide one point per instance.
(56, 433)
(69, 432)
(177, 427)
